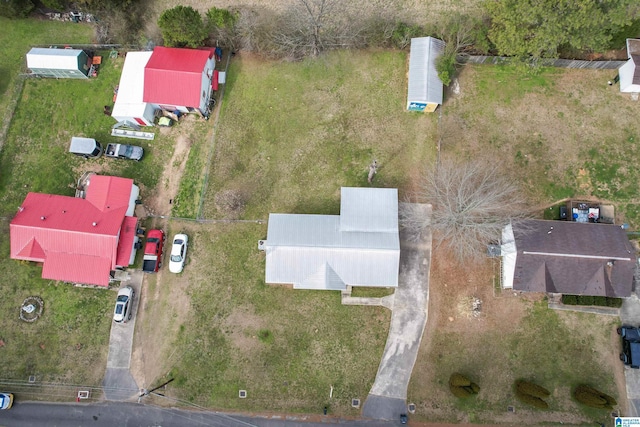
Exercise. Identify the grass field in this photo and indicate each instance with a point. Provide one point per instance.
(513, 337)
(17, 38)
(288, 128)
(233, 332)
(561, 133)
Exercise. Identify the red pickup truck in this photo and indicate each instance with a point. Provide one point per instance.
(153, 251)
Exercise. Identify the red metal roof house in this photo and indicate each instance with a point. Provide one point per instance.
(179, 79)
(78, 240)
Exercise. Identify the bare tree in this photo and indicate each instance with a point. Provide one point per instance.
(471, 203)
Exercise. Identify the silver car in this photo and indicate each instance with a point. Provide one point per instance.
(124, 305)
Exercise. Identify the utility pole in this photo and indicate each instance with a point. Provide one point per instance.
(146, 392)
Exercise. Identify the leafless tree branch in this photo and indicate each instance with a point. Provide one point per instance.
(471, 203)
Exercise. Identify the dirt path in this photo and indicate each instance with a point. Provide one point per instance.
(160, 202)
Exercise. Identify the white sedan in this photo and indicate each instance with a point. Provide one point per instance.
(178, 253)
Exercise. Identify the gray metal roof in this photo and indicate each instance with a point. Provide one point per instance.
(316, 252)
(424, 84)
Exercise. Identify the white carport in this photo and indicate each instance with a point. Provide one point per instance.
(129, 106)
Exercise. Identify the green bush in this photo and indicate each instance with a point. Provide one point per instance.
(526, 387)
(460, 392)
(528, 399)
(569, 299)
(585, 300)
(403, 33)
(600, 301)
(459, 380)
(462, 386)
(16, 8)
(592, 397)
(614, 302)
(446, 66)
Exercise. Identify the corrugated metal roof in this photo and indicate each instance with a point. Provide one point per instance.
(174, 76)
(129, 103)
(77, 268)
(424, 84)
(125, 241)
(369, 209)
(50, 226)
(61, 59)
(315, 252)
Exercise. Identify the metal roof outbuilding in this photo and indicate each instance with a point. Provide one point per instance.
(425, 89)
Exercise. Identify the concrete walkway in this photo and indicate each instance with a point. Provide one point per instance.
(118, 382)
(387, 398)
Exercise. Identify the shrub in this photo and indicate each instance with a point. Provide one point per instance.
(459, 380)
(589, 396)
(600, 301)
(403, 33)
(585, 300)
(614, 302)
(462, 386)
(526, 387)
(460, 392)
(569, 299)
(446, 66)
(182, 26)
(534, 401)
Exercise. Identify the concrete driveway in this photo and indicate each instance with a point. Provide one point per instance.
(118, 382)
(630, 315)
(387, 398)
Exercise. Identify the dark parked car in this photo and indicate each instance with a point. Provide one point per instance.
(630, 346)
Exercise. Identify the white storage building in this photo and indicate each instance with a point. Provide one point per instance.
(129, 106)
(59, 63)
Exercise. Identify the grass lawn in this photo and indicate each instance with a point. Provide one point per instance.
(291, 134)
(513, 337)
(561, 133)
(68, 344)
(17, 37)
(217, 328)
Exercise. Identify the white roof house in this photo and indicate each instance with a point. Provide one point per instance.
(425, 89)
(59, 63)
(630, 72)
(129, 106)
(359, 247)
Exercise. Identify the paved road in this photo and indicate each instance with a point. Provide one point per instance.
(630, 315)
(118, 382)
(109, 414)
(387, 398)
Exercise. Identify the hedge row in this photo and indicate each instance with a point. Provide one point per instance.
(591, 300)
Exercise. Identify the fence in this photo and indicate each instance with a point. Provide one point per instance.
(547, 62)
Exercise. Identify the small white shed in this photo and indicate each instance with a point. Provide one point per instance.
(59, 63)
(630, 72)
(129, 106)
(425, 87)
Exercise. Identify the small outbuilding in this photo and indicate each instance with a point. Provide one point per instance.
(629, 73)
(59, 63)
(425, 90)
(129, 106)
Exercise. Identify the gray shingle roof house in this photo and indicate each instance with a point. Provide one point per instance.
(630, 72)
(425, 89)
(359, 247)
(568, 258)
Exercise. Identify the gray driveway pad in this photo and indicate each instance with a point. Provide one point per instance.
(387, 398)
(630, 315)
(118, 382)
